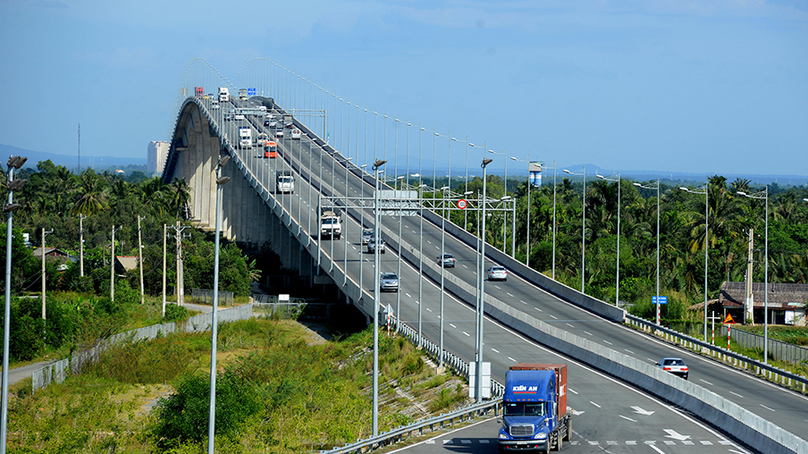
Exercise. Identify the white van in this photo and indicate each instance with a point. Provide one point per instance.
(224, 94)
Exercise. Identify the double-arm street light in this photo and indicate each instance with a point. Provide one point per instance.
(657, 244)
(442, 266)
(617, 273)
(764, 195)
(706, 193)
(376, 282)
(583, 229)
(481, 298)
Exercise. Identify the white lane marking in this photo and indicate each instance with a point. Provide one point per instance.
(594, 404)
(572, 390)
(430, 310)
(523, 301)
(588, 333)
(467, 334)
(655, 448)
(629, 351)
(538, 309)
(495, 350)
(767, 408)
(551, 315)
(736, 394)
(570, 325)
(604, 340)
(452, 325)
(641, 411)
(509, 294)
(408, 295)
(627, 418)
(705, 381)
(512, 359)
(675, 435)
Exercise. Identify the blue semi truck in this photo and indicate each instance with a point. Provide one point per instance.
(534, 415)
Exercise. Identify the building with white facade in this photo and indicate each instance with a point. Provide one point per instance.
(157, 153)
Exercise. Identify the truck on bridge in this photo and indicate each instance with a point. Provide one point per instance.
(244, 137)
(330, 224)
(534, 414)
(224, 94)
(284, 181)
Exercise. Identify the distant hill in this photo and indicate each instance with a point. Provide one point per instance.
(72, 162)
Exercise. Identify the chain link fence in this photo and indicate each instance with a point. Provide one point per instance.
(779, 350)
(205, 296)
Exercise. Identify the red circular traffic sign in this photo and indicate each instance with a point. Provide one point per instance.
(462, 204)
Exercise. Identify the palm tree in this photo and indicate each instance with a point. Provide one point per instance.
(92, 199)
(181, 196)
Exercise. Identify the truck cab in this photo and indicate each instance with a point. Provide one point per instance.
(284, 181)
(224, 94)
(245, 137)
(330, 225)
(534, 415)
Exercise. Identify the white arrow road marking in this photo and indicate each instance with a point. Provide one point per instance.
(626, 417)
(640, 411)
(676, 436)
(576, 413)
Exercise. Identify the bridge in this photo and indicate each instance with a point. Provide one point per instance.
(333, 169)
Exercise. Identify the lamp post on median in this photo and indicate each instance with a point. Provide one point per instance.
(764, 195)
(376, 276)
(706, 193)
(583, 229)
(442, 266)
(481, 296)
(14, 162)
(617, 285)
(527, 233)
(220, 181)
(657, 244)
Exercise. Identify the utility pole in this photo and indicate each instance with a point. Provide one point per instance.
(81, 244)
(43, 270)
(140, 258)
(112, 266)
(165, 233)
(180, 291)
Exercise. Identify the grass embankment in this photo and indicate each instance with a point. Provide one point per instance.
(278, 391)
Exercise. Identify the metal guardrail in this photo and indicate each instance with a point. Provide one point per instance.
(431, 424)
(772, 373)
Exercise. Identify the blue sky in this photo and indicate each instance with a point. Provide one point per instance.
(712, 87)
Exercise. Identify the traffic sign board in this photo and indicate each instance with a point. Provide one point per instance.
(662, 300)
(729, 320)
(462, 204)
(251, 92)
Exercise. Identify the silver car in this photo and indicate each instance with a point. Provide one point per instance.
(372, 246)
(367, 234)
(389, 282)
(497, 273)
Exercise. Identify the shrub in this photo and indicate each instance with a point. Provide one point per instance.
(184, 415)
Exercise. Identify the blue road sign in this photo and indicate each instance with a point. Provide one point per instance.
(251, 92)
(662, 300)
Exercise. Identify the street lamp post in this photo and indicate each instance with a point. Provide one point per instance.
(220, 181)
(481, 297)
(583, 233)
(14, 162)
(657, 244)
(764, 195)
(617, 285)
(527, 242)
(706, 193)
(442, 266)
(376, 276)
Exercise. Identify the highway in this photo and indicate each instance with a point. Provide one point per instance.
(610, 415)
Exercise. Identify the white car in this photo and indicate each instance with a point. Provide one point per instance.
(372, 246)
(497, 273)
(279, 133)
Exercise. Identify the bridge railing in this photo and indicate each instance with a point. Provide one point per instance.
(735, 359)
